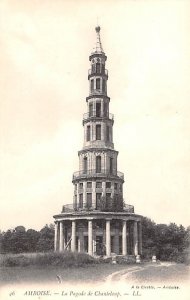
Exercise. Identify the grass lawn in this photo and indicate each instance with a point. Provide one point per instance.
(94, 273)
(81, 268)
(173, 272)
(31, 274)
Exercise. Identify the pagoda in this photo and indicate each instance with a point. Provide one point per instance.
(98, 221)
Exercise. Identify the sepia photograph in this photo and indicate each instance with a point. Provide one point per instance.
(94, 149)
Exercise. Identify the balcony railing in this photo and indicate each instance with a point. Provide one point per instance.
(95, 173)
(129, 208)
(93, 207)
(97, 114)
(98, 92)
(92, 72)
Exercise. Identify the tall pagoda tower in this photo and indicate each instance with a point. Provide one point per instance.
(98, 221)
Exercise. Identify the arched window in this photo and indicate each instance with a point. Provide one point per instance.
(98, 68)
(98, 109)
(111, 165)
(85, 165)
(98, 164)
(92, 85)
(93, 68)
(108, 133)
(80, 200)
(103, 85)
(98, 132)
(98, 200)
(88, 133)
(89, 200)
(90, 109)
(105, 106)
(98, 83)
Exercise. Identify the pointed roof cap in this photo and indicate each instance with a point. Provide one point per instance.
(98, 47)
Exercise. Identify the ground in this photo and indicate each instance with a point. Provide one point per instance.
(145, 272)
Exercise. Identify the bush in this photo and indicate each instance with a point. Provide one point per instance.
(15, 261)
(65, 259)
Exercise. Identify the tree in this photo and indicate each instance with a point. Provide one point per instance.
(19, 240)
(102, 203)
(187, 238)
(46, 239)
(1, 240)
(114, 204)
(117, 203)
(20, 228)
(32, 239)
(170, 242)
(14, 241)
(148, 237)
(6, 244)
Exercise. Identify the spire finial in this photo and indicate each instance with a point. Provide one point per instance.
(98, 47)
(97, 28)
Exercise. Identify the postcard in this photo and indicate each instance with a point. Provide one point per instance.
(94, 149)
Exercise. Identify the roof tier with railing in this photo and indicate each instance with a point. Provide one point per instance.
(97, 115)
(94, 73)
(93, 173)
(97, 92)
(76, 207)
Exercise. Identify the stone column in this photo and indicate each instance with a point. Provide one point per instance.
(104, 186)
(103, 132)
(135, 238)
(93, 194)
(94, 242)
(84, 194)
(73, 236)
(124, 238)
(55, 236)
(61, 238)
(116, 240)
(81, 240)
(140, 237)
(90, 245)
(108, 238)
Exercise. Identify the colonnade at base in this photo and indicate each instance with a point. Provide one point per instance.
(99, 236)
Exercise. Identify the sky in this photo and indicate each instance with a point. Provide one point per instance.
(44, 60)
